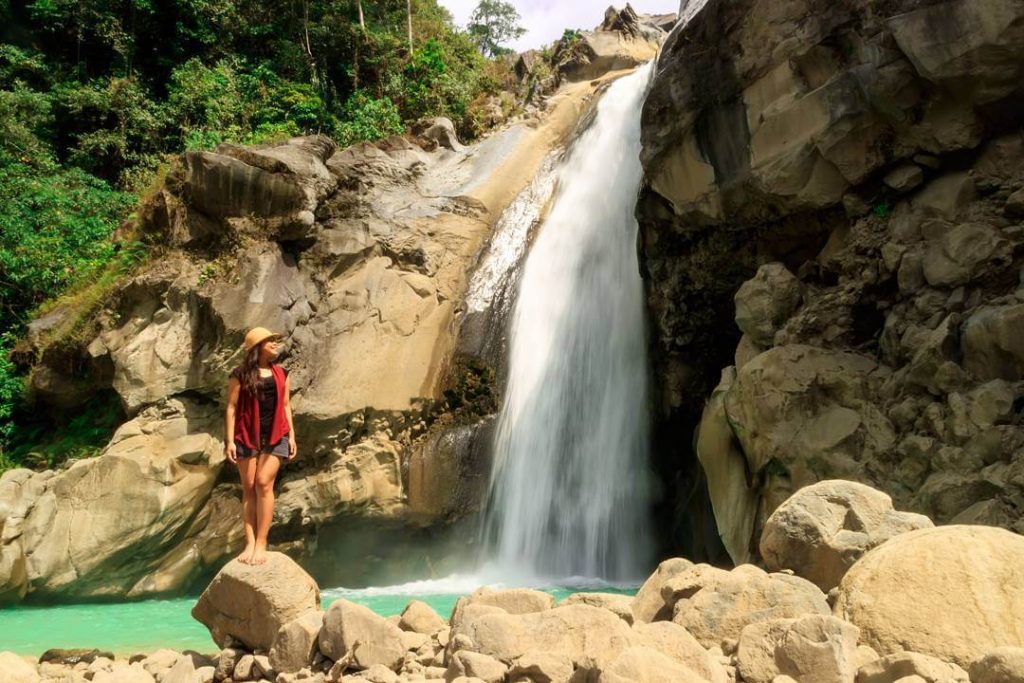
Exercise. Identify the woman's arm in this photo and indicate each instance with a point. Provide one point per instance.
(234, 386)
(293, 447)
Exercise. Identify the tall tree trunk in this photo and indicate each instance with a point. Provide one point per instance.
(362, 24)
(408, 9)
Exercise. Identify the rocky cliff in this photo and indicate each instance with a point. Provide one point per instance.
(832, 214)
(362, 257)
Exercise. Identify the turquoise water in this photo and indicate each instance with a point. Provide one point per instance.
(126, 628)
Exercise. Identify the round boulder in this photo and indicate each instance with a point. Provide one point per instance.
(766, 301)
(953, 592)
(822, 529)
(249, 604)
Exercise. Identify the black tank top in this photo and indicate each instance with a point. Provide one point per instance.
(267, 399)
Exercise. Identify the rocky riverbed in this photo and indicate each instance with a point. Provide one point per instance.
(851, 591)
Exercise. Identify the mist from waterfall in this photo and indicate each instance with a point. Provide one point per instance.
(569, 491)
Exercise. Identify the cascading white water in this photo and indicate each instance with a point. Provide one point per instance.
(569, 490)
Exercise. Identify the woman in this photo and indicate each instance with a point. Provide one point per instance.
(259, 434)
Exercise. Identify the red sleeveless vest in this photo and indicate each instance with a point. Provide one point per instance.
(247, 415)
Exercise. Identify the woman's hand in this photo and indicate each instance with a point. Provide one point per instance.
(293, 448)
(230, 450)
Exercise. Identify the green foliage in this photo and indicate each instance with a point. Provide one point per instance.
(368, 118)
(95, 95)
(55, 225)
(81, 434)
(492, 23)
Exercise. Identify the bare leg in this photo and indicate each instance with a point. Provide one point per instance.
(247, 472)
(266, 473)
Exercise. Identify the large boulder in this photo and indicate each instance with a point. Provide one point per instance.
(804, 414)
(812, 649)
(295, 644)
(644, 665)
(824, 528)
(676, 643)
(1002, 665)
(993, 343)
(910, 666)
(648, 603)
(65, 536)
(953, 592)
(419, 617)
(714, 604)
(249, 604)
(370, 638)
(16, 670)
(511, 601)
(580, 632)
(764, 302)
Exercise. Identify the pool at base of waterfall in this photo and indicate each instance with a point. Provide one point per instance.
(148, 625)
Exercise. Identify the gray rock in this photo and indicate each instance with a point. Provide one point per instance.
(764, 302)
(904, 178)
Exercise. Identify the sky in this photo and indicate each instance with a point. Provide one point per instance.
(545, 20)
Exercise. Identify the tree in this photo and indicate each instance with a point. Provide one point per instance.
(492, 23)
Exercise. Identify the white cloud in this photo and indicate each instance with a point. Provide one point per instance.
(545, 20)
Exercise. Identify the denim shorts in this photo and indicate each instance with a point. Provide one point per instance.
(280, 449)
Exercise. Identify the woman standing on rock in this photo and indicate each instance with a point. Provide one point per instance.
(259, 434)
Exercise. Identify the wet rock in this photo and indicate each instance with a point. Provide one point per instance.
(249, 604)
(825, 528)
(951, 592)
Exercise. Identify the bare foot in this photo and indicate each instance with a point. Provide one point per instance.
(245, 557)
(259, 555)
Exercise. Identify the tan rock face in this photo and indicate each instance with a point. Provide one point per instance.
(806, 414)
(65, 533)
(734, 500)
(824, 528)
(713, 604)
(762, 144)
(249, 604)
(952, 592)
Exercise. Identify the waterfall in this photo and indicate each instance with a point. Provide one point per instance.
(568, 494)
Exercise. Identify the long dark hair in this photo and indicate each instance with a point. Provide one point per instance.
(250, 371)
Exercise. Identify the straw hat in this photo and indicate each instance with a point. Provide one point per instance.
(258, 335)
